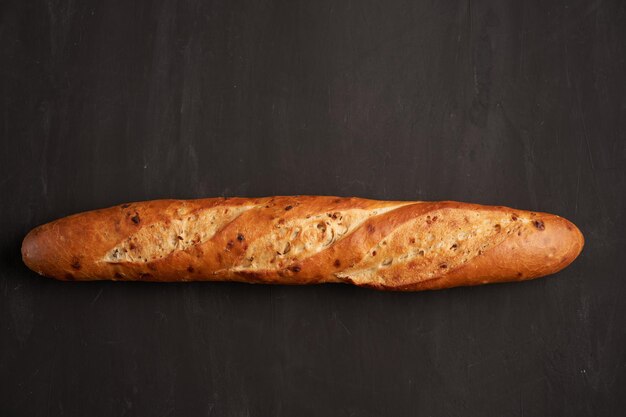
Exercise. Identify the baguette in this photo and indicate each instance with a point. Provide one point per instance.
(386, 245)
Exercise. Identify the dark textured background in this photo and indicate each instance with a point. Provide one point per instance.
(497, 102)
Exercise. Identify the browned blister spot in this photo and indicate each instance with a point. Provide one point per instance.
(190, 268)
(75, 263)
(337, 263)
(539, 224)
(135, 218)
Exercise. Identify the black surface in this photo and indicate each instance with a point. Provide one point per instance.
(496, 102)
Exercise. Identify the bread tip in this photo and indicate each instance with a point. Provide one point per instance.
(31, 251)
(570, 238)
(28, 249)
(579, 237)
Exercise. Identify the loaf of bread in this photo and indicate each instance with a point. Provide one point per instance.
(387, 245)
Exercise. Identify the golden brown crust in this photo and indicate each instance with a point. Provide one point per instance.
(390, 245)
